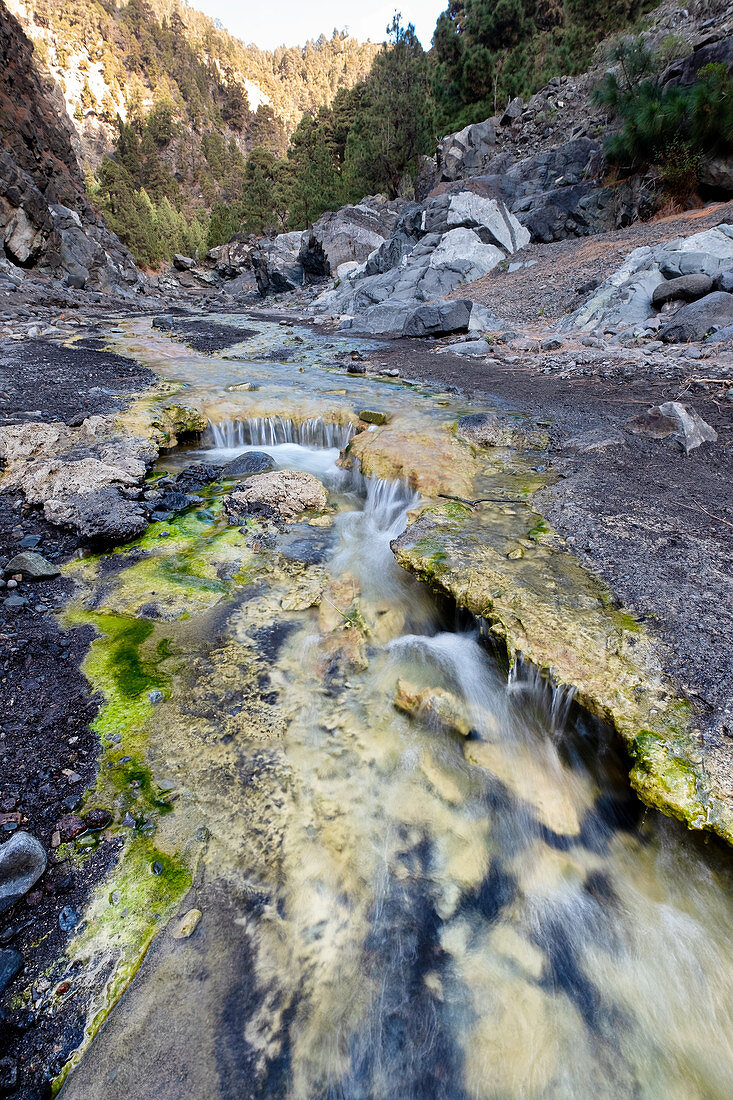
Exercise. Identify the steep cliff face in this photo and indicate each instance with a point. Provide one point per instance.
(46, 221)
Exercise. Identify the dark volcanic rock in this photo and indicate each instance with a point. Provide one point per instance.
(105, 516)
(698, 319)
(197, 476)
(687, 288)
(436, 318)
(250, 462)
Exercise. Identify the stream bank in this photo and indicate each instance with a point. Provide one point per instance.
(339, 387)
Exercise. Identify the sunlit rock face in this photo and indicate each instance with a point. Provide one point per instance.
(46, 221)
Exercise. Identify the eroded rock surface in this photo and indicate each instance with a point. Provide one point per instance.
(288, 493)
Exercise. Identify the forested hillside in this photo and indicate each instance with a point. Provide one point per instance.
(189, 137)
(182, 101)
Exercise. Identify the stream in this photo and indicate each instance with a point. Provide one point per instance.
(463, 901)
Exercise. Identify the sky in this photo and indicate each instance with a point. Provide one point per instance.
(270, 23)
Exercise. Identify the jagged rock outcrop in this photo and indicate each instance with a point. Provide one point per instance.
(351, 234)
(543, 160)
(46, 221)
(277, 264)
(454, 238)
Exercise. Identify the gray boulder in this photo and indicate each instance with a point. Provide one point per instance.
(692, 430)
(105, 516)
(277, 265)
(447, 316)
(513, 111)
(687, 288)
(717, 174)
(33, 566)
(677, 263)
(351, 234)
(22, 862)
(724, 281)
(248, 463)
(699, 319)
(405, 236)
(466, 152)
(490, 219)
(438, 318)
(183, 263)
(469, 347)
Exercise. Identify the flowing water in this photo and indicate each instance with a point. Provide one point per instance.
(394, 905)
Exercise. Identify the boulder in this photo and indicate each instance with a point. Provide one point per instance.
(22, 862)
(466, 152)
(687, 288)
(288, 493)
(692, 430)
(469, 347)
(196, 476)
(277, 264)
(351, 234)
(22, 239)
(484, 430)
(699, 319)
(248, 463)
(716, 173)
(183, 263)
(446, 316)
(33, 567)
(488, 218)
(513, 111)
(405, 236)
(102, 516)
(686, 70)
(724, 281)
(679, 262)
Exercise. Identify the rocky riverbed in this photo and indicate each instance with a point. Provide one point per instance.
(574, 444)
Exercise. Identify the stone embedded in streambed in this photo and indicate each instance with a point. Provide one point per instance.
(185, 926)
(289, 493)
(434, 706)
(197, 476)
(248, 463)
(485, 430)
(373, 416)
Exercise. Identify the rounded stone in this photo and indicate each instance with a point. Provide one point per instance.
(249, 462)
(22, 862)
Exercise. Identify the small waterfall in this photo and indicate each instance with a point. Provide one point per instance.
(387, 503)
(555, 699)
(272, 431)
(461, 663)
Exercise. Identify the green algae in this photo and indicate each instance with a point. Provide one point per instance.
(142, 894)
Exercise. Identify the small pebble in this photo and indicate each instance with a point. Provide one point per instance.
(185, 926)
(68, 919)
